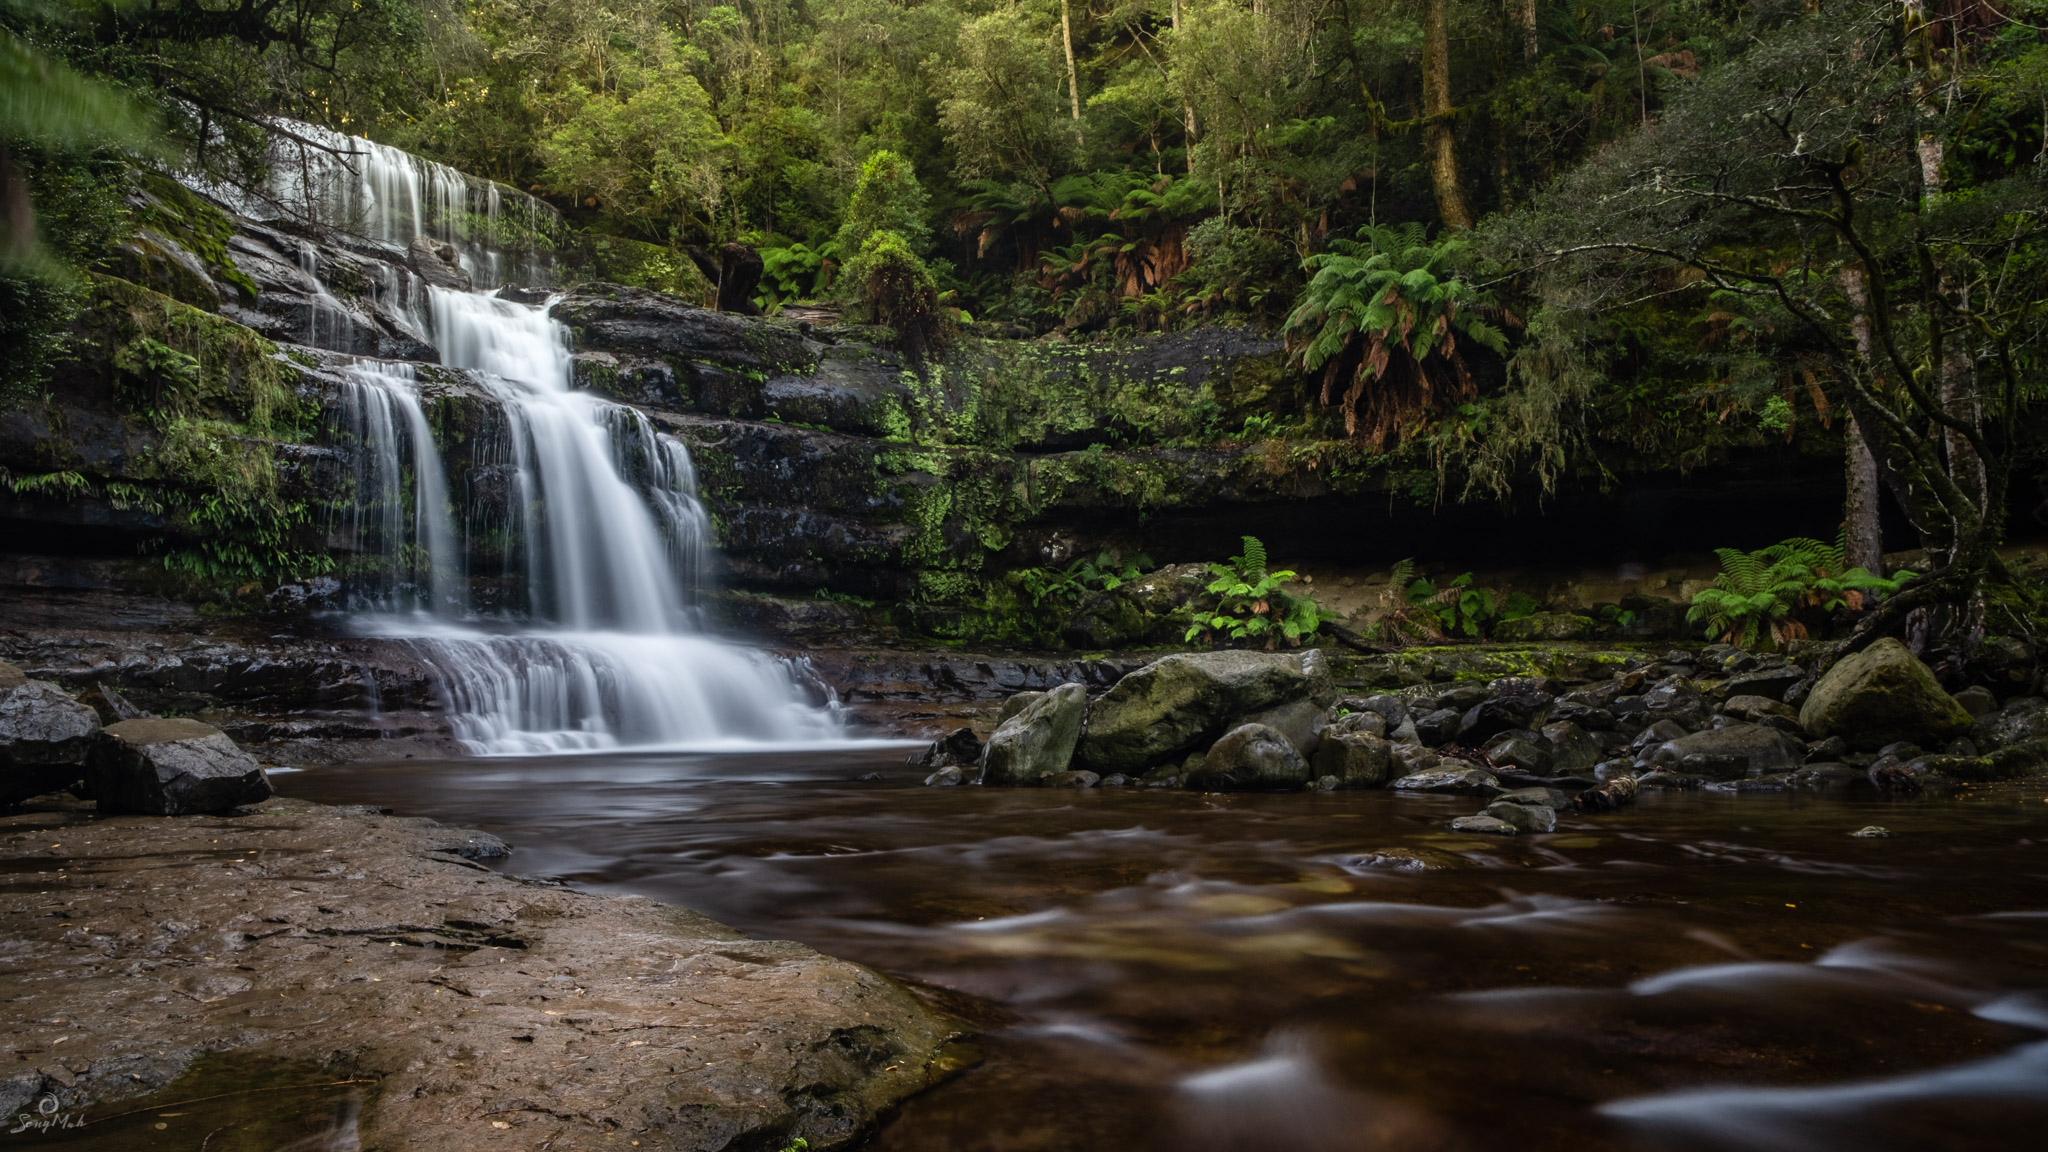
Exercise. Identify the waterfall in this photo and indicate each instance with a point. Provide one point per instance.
(603, 529)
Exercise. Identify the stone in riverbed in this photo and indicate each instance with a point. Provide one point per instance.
(45, 737)
(1250, 757)
(1525, 817)
(1016, 704)
(171, 768)
(1463, 780)
(1977, 700)
(1038, 741)
(1354, 759)
(1484, 825)
(2018, 722)
(1497, 714)
(1519, 753)
(1538, 797)
(1729, 753)
(1163, 710)
(1881, 695)
(1572, 749)
(1755, 708)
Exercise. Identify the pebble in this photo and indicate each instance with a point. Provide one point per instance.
(1483, 824)
(1872, 832)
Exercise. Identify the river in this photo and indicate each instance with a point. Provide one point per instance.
(1324, 972)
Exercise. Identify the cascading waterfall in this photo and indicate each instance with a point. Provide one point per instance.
(606, 534)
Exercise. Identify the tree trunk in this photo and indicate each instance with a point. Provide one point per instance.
(1861, 531)
(1530, 48)
(1188, 106)
(1439, 139)
(17, 211)
(1073, 71)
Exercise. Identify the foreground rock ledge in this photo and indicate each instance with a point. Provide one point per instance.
(494, 1012)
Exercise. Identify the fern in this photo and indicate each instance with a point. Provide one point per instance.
(1758, 595)
(1253, 562)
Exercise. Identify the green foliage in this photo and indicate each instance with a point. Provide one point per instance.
(1064, 587)
(895, 288)
(1759, 596)
(796, 272)
(1382, 316)
(886, 198)
(645, 152)
(1252, 603)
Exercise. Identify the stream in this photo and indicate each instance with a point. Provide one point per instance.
(1168, 970)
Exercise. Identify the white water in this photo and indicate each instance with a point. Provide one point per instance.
(604, 529)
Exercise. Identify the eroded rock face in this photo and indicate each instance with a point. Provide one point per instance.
(1163, 710)
(1250, 757)
(367, 940)
(171, 768)
(1879, 696)
(1038, 741)
(45, 736)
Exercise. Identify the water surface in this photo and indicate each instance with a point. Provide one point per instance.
(1163, 970)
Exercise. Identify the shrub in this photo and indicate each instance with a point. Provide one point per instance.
(895, 288)
(1759, 596)
(1252, 602)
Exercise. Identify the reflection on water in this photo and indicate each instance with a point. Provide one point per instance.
(1159, 970)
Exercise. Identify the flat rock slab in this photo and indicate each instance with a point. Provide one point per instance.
(492, 1012)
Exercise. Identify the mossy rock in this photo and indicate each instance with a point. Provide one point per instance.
(1880, 696)
(1545, 626)
(618, 260)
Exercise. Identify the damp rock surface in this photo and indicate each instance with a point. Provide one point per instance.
(490, 1011)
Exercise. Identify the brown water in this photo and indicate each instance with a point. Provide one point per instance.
(1161, 970)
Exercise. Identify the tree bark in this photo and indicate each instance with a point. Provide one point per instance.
(1439, 138)
(1530, 48)
(1861, 533)
(1188, 106)
(1073, 71)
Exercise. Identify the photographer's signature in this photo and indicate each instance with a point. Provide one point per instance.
(48, 1115)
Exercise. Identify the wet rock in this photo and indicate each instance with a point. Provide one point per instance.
(1167, 707)
(1497, 714)
(2007, 665)
(1302, 722)
(1251, 757)
(1977, 700)
(1413, 758)
(1755, 708)
(1464, 780)
(1460, 697)
(947, 777)
(1572, 749)
(958, 748)
(1872, 832)
(1540, 797)
(1770, 683)
(1016, 704)
(1729, 753)
(45, 737)
(1437, 727)
(1117, 780)
(2019, 721)
(1775, 782)
(1661, 732)
(1354, 759)
(171, 768)
(1038, 741)
(438, 264)
(1483, 825)
(1881, 694)
(1388, 706)
(1677, 700)
(1586, 716)
(1365, 723)
(1525, 817)
(1832, 748)
(1612, 794)
(112, 707)
(1516, 751)
(1659, 779)
(1070, 779)
(1826, 776)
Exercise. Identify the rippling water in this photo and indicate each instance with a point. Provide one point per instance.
(1161, 970)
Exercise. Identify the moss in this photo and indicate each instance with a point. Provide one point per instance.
(617, 260)
(188, 220)
(172, 361)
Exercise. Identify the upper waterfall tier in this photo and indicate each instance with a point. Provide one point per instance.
(388, 196)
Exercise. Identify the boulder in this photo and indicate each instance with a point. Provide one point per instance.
(1584, 715)
(1436, 727)
(1038, 741)
(112, 707)
(438, 264)
(961, 748)
(1516, 751)
(1016, 704)
(1497, 714)
(2022, 720)
(1301, 721)
(1356, 759)
(1168, 707)
(1571, 748)
(1367, 723)
(1977, 700)
(1880, 695)
(45, 737)
(1525, 817)
(171, 768)
(1538, 797)
(1729, 753)
(1250, 757)
(1456, 777)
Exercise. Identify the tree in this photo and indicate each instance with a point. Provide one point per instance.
(1439, 131)
(1789, 183)
(647, 152)
(887, 197)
